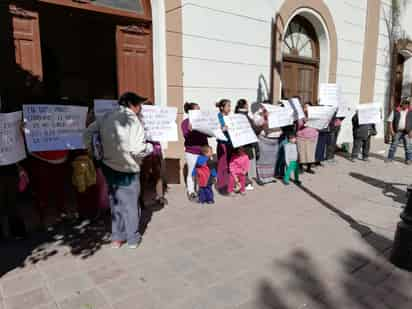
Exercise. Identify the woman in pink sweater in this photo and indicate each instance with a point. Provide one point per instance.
(238, 167)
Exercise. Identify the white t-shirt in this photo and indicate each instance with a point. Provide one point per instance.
(402, 120)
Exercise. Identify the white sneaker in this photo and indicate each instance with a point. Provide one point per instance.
(249, 187)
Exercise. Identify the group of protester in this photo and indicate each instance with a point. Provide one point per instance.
(279, 152)
(108, 174)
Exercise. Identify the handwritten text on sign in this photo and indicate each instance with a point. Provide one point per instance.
(279, 116)
(102, 107)
(11, 140)
(297, 108)
(54, 127)
(207, 123)
(160, 123)
(369, 113)
(321, 112)
(240, 131)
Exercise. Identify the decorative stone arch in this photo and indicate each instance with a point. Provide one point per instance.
(320, 16)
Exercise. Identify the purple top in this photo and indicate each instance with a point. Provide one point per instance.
(194, 140)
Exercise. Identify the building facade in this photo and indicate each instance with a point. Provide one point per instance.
(281, 48)
(202, 50)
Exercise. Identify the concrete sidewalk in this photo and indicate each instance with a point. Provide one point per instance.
(324, 245)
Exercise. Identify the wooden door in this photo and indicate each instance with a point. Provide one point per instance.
(300, 79)
(135, 60)
(26, 36)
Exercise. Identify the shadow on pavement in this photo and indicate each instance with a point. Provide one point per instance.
(364, 281)
(388, 189)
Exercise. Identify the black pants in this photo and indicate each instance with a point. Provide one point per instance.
(331, 147)
(361, 143)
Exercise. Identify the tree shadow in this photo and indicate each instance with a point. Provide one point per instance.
(388, 189)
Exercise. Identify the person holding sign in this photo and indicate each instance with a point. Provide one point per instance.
(362, 134)
(252, 150)
(268, 140)
(400, 128)
(124, 146)
(224, 148)
(11, 174)
(194, 141)
(307, 138)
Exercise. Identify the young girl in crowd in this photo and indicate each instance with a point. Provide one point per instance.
(204, 176)
(242, 107)
(194, 140)
(239, 167)
(291, 157)
(224, 148)
(306, 140)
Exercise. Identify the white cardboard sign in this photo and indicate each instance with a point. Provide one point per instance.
(321, 112)
(160, 123)
(54, 127)
(12, 148)
(206, 121)
(369, 113)
(297, 108)
(240, 130)
(280, 117)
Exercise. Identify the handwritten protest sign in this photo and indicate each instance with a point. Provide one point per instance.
(369, 113)
(345, 110)
(321, 112)
(240, 131)
(160, 123)
(11, 139)
(297, 108)
(206, 122)
(330, 94)
(319, 124)
(54, 127)
(102, 107)
(280, 117)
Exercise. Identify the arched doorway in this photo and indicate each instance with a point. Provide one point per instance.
(301, 59)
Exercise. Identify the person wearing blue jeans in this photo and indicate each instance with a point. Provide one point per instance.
(400, 126)
(124, 146)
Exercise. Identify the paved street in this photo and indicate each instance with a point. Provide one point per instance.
(324, 245)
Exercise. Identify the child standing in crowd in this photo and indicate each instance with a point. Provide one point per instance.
(194, 140)
(238, 167)
(224, 148)
(204, 176)
(291, 157)
(361, 138)
(242, 107)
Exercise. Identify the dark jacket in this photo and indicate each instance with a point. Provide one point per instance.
(361, 131)
(397, 118)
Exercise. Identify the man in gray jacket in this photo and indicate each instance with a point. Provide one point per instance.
(123, 141)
